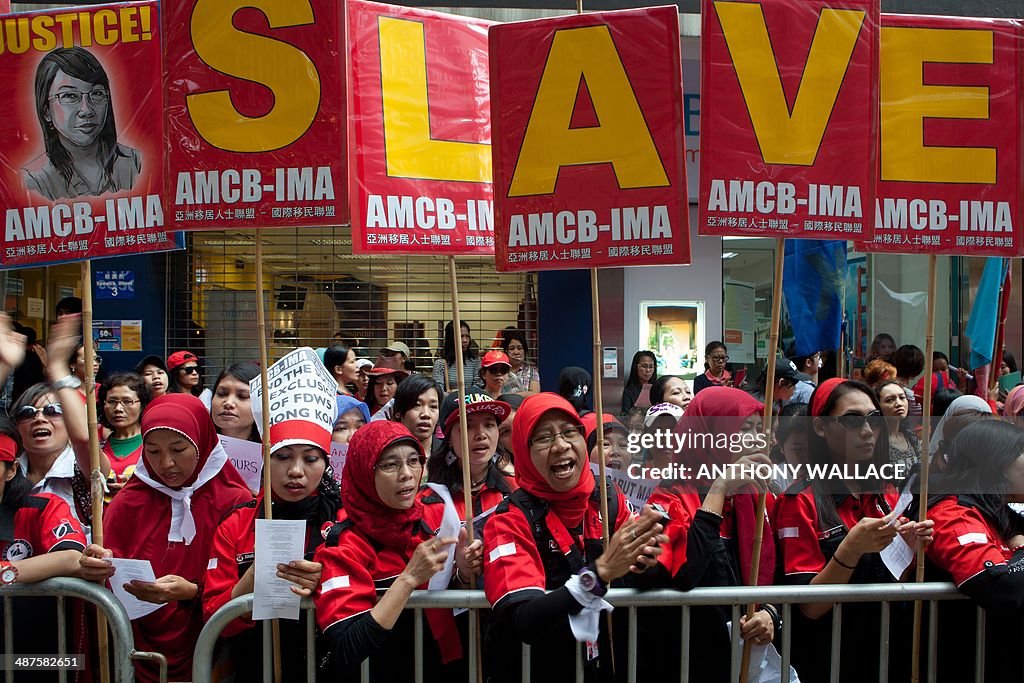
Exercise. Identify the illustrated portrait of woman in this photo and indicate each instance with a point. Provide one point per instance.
(83, 157)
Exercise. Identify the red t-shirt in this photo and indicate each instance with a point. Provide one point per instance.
(680, 502)
(964, 542)
(799, 534)
(511, 560)
(352, 571)
(42, 524)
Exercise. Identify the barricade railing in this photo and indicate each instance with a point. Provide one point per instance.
(736, 598)
(123, 643)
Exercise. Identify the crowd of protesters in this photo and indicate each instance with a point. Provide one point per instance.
(392, 524)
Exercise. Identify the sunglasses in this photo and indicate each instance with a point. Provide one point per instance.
(190, 370)
(853, 421)
(50, 410)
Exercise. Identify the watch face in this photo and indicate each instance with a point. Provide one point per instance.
(8, 575)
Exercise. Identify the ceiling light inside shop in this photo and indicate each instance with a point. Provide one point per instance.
(726, 255)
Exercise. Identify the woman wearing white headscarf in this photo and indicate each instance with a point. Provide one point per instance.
(943, 434)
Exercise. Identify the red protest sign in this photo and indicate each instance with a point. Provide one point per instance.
(80, 167)
(788, 118)
(255, 98)
(588, 141)
(950, 176)
(420, 126)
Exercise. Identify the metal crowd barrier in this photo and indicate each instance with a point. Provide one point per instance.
(735, 597)
(123, 650)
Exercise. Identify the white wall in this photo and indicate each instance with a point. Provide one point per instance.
(699, 281)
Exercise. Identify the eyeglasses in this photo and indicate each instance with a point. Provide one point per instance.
(72, 98)
(569, 436)
(852, 421)
(395, 466)
(720, 359)
(50, 410)
(125, 402)
(191, 369)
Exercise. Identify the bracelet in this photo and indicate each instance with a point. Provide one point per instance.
(774, 615)
(1014, 550)
(710, 512)
(458, 575)
(835, 558)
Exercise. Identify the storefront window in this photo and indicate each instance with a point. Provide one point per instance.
(315, 288)
(674, 330)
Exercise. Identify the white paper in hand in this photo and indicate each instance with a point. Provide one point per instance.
(765, 664)
(127, 571)
(450, 527)
(278, 541)
(897, 556)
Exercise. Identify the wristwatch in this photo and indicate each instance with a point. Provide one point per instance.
(8, 575)
(69, 382)
(591, 582)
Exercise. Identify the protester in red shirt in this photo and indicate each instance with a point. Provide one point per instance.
(547, 536)
(979, 546)
(831, 531)
(711, 536)
(380, 542)
(167, 513)
(491, 484)
(122, 398)
(302, 488)
(39, 539)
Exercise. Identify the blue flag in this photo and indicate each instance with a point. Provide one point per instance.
(814, 275)
(981, 326)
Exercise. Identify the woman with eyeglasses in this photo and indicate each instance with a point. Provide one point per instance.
(83, 156)
(123, 397)
(51, 423)
(979, 546)
(904, 446)
(380, 543)
(302, 488)
(716, 355)
(831, 531)
(637, 392)
(547, 537)
(496, 375)
(168, 513)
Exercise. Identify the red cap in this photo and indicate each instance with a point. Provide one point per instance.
(495, 357)
(179, 358)
(8, 449)
(381, 371)
(590, 423)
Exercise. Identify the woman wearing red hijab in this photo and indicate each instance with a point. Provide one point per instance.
(168, 513)
(711, 536)
(380, 542)
(547, 536)
(831, 531)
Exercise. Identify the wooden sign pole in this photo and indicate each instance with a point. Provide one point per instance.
(926, 408)
(769, 399)
(261, 323)
(95, 476)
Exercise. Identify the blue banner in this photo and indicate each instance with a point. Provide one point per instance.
(813, 280)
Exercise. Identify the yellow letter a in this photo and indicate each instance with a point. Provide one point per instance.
(785, 137)
(622, 138)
